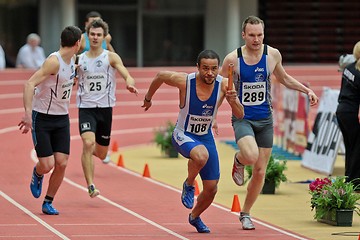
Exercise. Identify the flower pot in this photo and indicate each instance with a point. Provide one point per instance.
(268, 188)
(338, 217)
(172, 153)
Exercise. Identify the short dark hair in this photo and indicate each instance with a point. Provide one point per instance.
(98, 23)
(70, 35)
(92, 14)
(207, 54)
(252, 20)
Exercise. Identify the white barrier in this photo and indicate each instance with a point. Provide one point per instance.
(325, 139)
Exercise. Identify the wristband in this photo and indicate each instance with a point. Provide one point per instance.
(147, 100)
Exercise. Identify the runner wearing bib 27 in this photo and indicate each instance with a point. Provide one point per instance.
(46, 101)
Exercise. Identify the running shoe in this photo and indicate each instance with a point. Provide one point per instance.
(198, 224)
(36, 184)
(246, 222)
(187, 195)
(93, 192)
(106, 160)
(48, 209)
(238, 172)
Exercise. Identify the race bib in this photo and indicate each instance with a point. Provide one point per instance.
(65, 91)
(199, 125)
(95, 83)
(253, 93)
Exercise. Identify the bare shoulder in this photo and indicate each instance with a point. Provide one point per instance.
(177, 76)
(232, 56)
(114, 57)
(274, 52)
(52, 63)
(224, 83)
(108, 38)
(50, 67)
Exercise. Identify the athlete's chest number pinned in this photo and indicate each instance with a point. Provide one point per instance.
(254, 96)
(65, 91)
(66, 94)
(196, 128)
(199, 125)
(253, 93)
(95, 83)
(95, 86)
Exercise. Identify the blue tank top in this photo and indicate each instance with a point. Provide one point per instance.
(87, 43)
(196, 116)
(254, 87)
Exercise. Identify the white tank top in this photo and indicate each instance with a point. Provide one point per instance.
(52, 96)
(97, 82)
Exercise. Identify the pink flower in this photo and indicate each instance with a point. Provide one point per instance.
(318, 184)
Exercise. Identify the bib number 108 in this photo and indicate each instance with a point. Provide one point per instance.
(197, 128)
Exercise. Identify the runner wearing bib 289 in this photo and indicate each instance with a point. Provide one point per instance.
(254, 62)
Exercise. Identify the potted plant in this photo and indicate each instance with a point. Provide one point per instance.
(163, 140)
(334, 200)
(274, 175)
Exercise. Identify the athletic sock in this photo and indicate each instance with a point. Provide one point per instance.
(244, 214)
(38, 175)
(48, 199)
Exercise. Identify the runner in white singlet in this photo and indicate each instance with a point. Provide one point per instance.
(96, 98)
(46, 102)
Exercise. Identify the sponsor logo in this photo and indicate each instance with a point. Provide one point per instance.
(253, 86)
(259, 77)
(200, 119)
(85, 126)
(99, 63)
(259, 69)
(349, 75)
(207, 112)
(105, 137)
(67, 85)
(207, 106)
(179, 138)
(95, 77)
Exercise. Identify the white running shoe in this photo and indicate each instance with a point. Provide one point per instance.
(93, 192)
(107, 159)
(246, 222)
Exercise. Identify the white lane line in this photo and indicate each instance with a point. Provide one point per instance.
(153, 236)
(213, 204)
(128, 211)
(100, 224)
(34, 158)
(120, 93)
(33, 216)
(18, 224)
(22, 82)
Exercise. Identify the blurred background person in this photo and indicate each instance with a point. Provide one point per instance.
(31, 55)
(2, 58)
(348, 116)
(85, 42)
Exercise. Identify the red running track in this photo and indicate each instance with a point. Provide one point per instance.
(130, 206)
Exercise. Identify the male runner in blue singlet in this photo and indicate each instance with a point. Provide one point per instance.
(253, 64)
(85, 42)
(201, 94)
